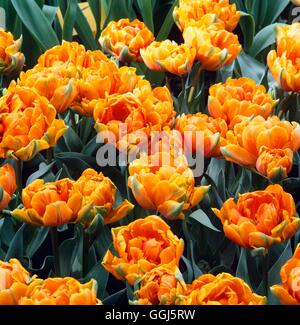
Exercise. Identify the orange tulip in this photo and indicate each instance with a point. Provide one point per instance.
(7, 185)
(190, 11)
(239, 97)
(98, 196)
(28, 124)
(70, 52)
(261, 218)
(169, 56)
(11, 59)
(106, 79)
(160, 286)
(215, 47)
(158, 105)
(144, 110)
(119, 110)
(212, 131)
(126, 80)
(284, 63)
(14, 281)
(289, 291)
(61, 291)
(275, 163)
(247, 138)
(124, 39)
(141, 246)
(163, 182)
(49, 204)
(57, 84)
(223, 289)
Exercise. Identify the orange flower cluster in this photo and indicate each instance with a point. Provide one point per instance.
(285, 62)
(289, 291)
(206, 27)
(8, 185)
(141, 246)
(164, 285)
(125, 39)
(11, 59)
(261, 218)
(27, 124)
(71, 77)
(18, 288)
(215, 46)
(267, 144)
(66, 201)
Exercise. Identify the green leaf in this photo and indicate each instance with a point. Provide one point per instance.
(242, 268)
(7, 231)
(167, 25)
(43, 169)
(275, 8)
(274, 271)
(73, 141)
(98, 273)
(39, 237)
(95, 6)
(15, 249)
(190, 273)
(69, 20)
(118, 298)
(147, 13)
(91, 147)
(67, 253)
(202, 218)
(263, 39)
(247, 24)
(50, 12)
(250, 67)
(36, 22)
(84, 31)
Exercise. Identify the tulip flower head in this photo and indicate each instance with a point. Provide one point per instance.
(260, 219)
(289, 291)
(141, 246)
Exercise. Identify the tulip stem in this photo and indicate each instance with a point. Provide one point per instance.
(55, 250)
(19, 167)
(73, 121)
(49, 155)
(194, 85)
(85, 252)
(265, 273)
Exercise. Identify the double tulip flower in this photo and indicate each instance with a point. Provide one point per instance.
(28, 124)
(66, 201)
(260, 219)
(163, 182)
(11, 59)
(8, 185)
(141, 246)
(284, 63)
